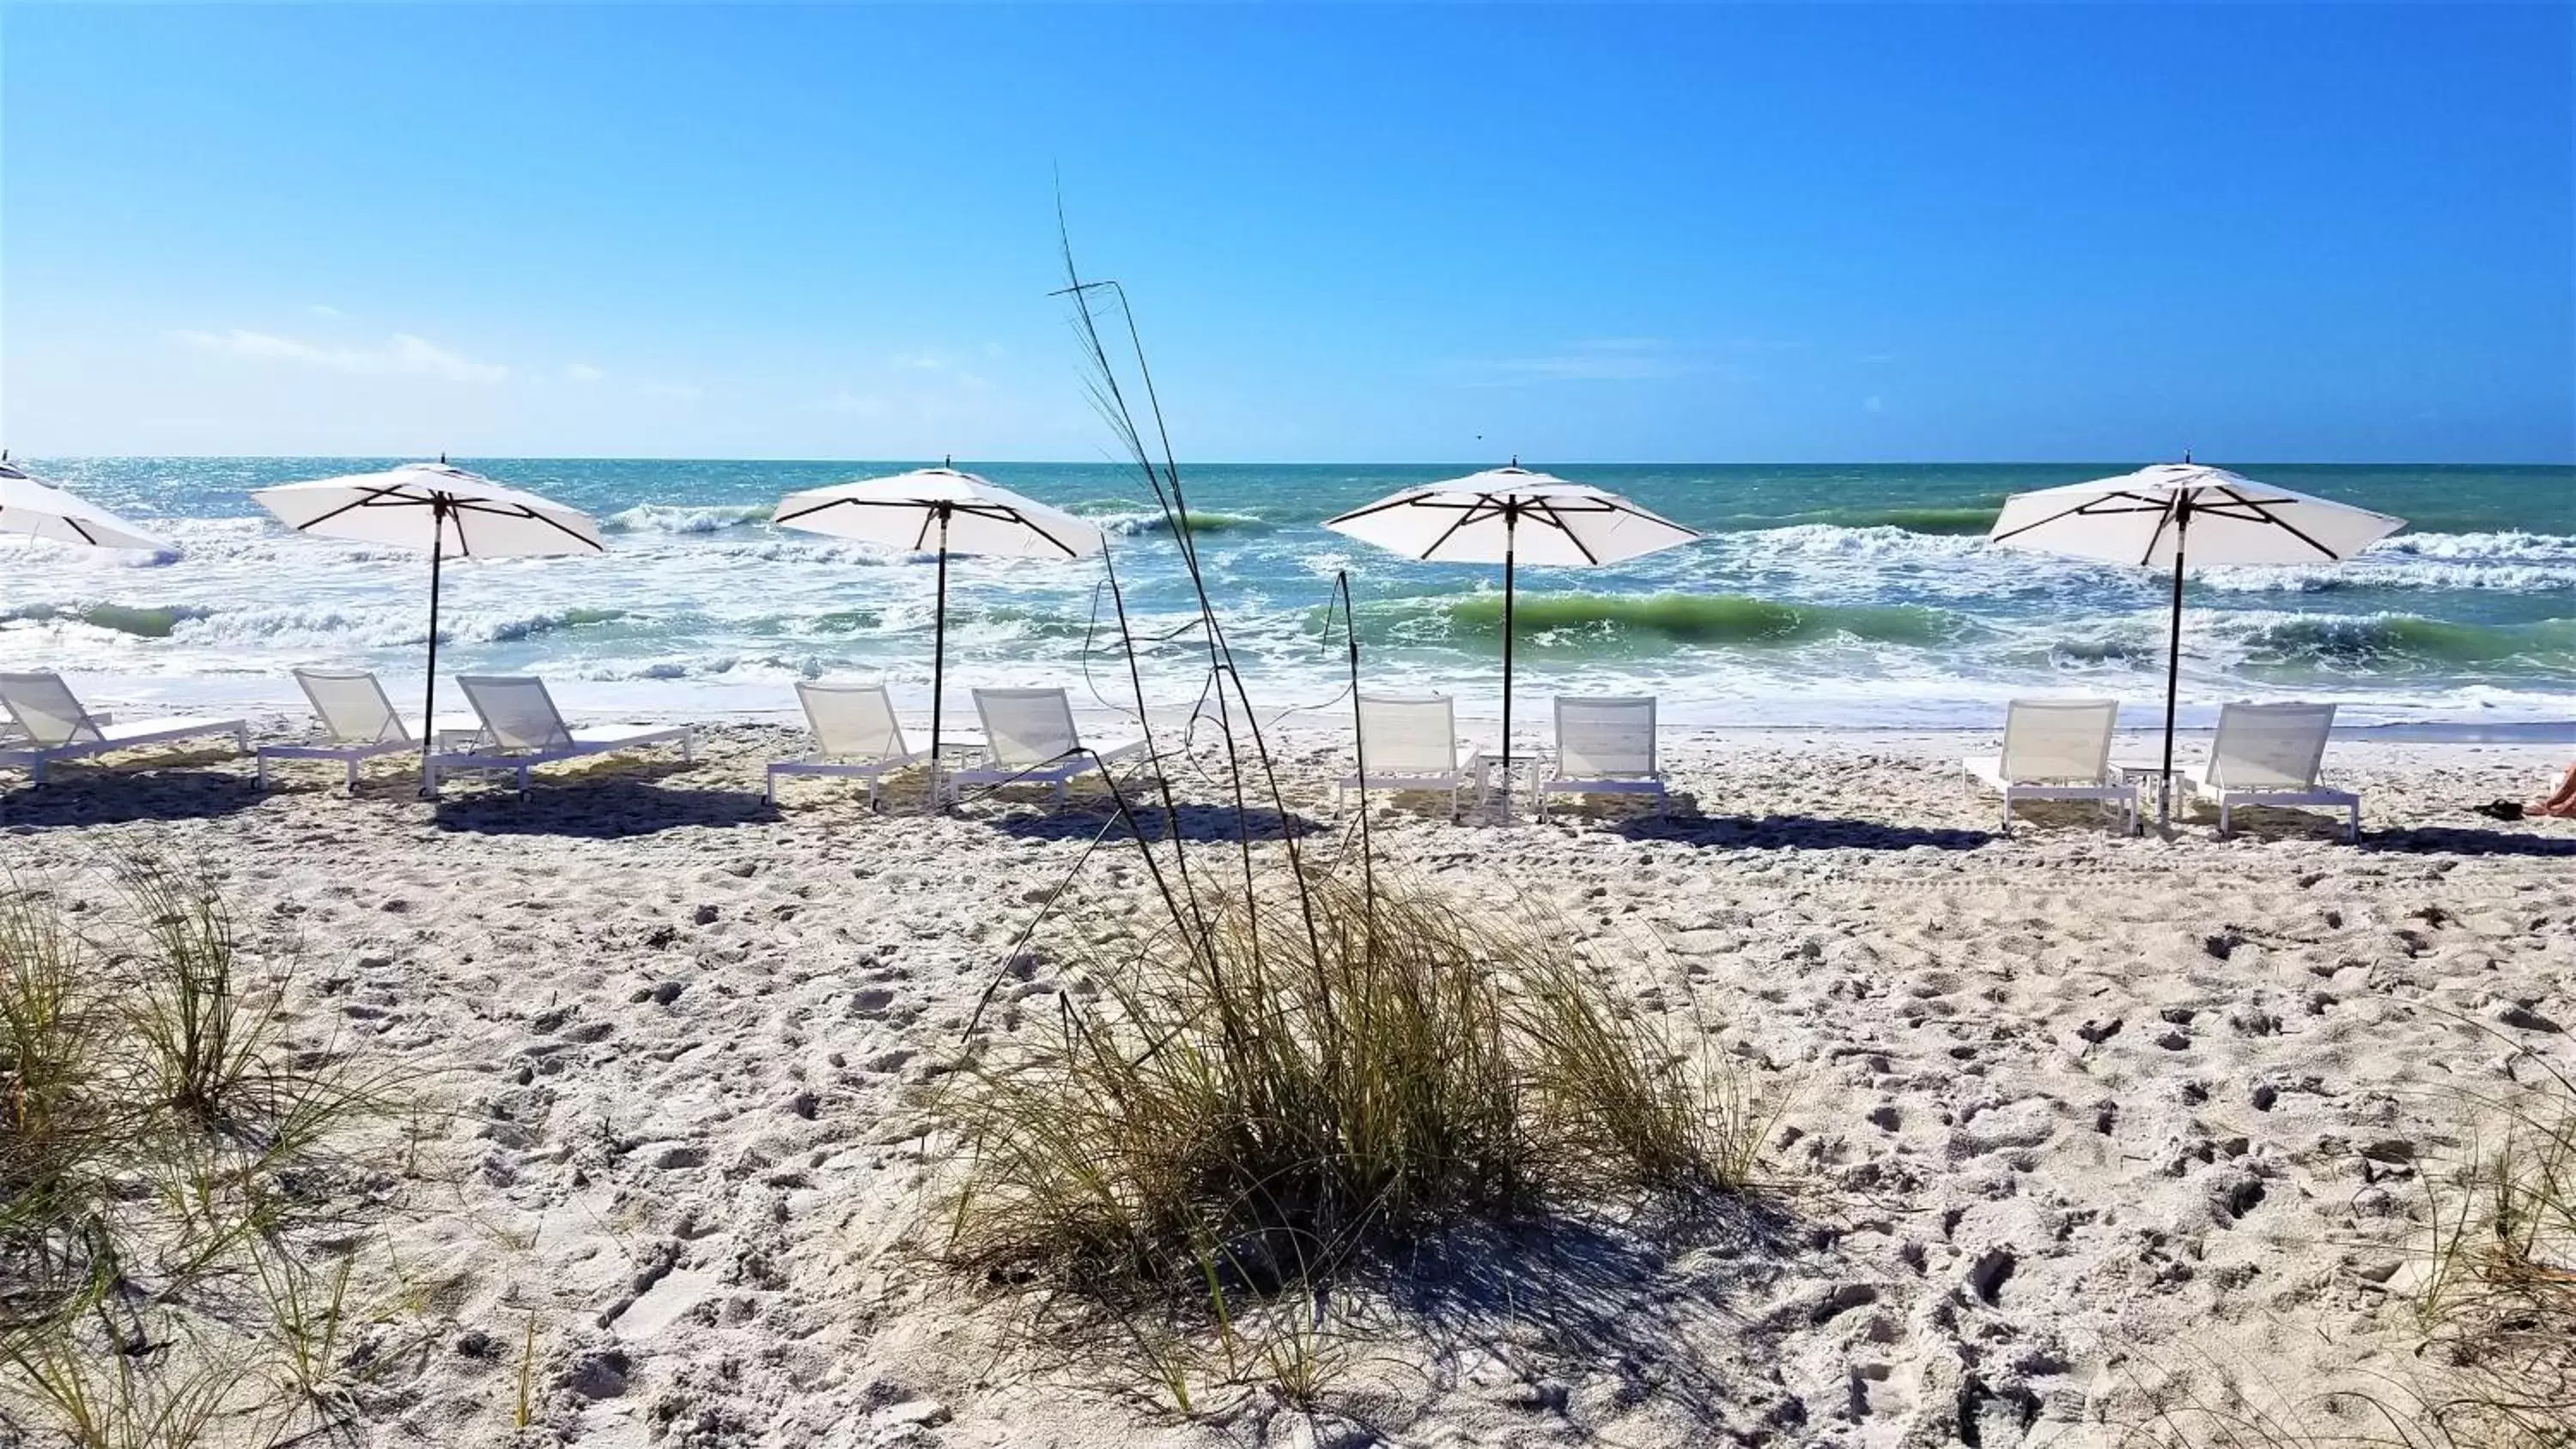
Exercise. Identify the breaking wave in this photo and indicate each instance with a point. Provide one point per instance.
(1627, 623)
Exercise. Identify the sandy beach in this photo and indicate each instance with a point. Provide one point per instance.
(2072, 1127)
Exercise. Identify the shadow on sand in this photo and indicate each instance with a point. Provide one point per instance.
(74, 797)
(599, 809)
(1801, 832)
(2470, 840)
(1199, 824)
(1673, 1311)
(1666, 1311)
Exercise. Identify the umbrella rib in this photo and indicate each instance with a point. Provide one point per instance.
(549, 521)
(810, 512)
(1024, 521)
(369, 497)
(2157, 537)
(1401, 500)
(2075, 511)
(1549, 509)
(1446, 534)
(2262, 511)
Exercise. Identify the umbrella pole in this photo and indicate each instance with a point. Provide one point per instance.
(429, 686)
(939, 664)
(1509, 540)
(2173, 669)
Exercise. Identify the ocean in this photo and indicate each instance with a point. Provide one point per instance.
(1823, 596)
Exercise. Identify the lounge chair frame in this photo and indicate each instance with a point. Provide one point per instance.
(1649, 781)
(1412, 769)
(68, 731)
(1005, 763)
(2091, 778)
(2288, 779)
(352, 750)
(493, 750)
(856, 765)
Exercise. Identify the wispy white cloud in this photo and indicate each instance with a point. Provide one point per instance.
(858, 404)
(1600, 359)
(401, 354)
(582, 372)
(672, 391)
(321, 310)
(943, 365)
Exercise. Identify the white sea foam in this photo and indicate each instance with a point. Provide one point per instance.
(704, 601)
(683, 518)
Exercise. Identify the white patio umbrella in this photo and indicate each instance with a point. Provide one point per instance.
(40, 508)
(2162, 514)
(953, 512)
(1506, 515)
(443, 509)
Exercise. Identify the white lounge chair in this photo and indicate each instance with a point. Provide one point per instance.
(53, 725)
(2057, 749)
(1409, 744)
(1604, 747)
(1030, 739)
(855, 735)
(522, 729)
(358, 722)
(2270, 754)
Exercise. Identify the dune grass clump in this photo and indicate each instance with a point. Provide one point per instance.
(1309, 1076)
(180, 1187)
(2499, 1307)
(2491, 1361)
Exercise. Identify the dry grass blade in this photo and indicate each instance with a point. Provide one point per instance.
(169, 1162)
(1242, 1111)
(2499, 1307)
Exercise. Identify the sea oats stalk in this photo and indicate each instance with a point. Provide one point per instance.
(1294, 1073)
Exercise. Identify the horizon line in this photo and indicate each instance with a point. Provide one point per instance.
(899, 460)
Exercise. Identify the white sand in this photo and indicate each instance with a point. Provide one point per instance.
(2072, 1120)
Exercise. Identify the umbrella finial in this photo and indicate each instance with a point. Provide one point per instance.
(2186, 455)
(1516, 460)
(948, 460)
(442, 456)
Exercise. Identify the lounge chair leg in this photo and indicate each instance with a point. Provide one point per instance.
(353, 777)
(2226, 816)
(263, 772)
(2352, 828)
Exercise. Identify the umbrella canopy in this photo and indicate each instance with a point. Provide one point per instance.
(42, 509)
(940, 508)
(952, 512)
(2147, 519)
(1506, 513)
(433, 506)
(444, 511)
(2165, 515)
(1506, 516)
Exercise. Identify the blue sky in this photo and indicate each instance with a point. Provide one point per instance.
(2280, 232)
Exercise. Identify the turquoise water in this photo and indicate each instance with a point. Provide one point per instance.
(1823, 595)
